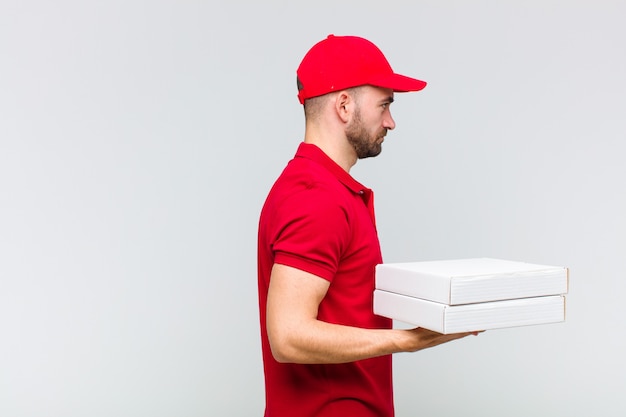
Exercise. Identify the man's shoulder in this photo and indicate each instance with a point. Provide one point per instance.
(306, 189)
(304, 174)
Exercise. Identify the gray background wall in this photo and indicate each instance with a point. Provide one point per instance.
(138, 140)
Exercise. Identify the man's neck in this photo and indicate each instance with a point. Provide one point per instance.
(337, 150)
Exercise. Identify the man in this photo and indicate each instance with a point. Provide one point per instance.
(325, 353)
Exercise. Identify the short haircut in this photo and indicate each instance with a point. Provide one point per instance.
(313, 106)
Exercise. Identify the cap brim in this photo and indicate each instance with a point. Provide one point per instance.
(399, 83)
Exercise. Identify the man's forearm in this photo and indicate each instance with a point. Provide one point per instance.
(320, 342)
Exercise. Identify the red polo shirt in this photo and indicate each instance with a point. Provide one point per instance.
(317, 218)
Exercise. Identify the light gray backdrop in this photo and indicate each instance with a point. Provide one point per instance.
(138, 140)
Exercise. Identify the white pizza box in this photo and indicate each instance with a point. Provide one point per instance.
(475, 280)
(444, 318)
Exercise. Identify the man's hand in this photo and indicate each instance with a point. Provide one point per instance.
(420, 338)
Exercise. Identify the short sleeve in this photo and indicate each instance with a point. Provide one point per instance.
(312, 231)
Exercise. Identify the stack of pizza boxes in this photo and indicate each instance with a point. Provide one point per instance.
(466, 295)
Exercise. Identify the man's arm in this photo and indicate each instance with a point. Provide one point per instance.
(297, 336)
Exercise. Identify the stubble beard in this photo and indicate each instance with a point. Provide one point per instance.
(364, 144)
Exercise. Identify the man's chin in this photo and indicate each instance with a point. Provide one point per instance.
(372, 152)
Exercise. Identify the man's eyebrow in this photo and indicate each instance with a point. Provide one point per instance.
(388, 99)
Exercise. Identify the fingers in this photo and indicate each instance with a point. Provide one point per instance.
(428, 338)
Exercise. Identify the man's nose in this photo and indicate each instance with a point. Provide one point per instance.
(388, 122)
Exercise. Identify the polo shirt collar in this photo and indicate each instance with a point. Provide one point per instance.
(314, 153)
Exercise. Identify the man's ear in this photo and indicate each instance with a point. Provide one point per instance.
(344, 104)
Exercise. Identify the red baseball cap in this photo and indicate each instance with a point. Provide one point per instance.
(340, 62)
